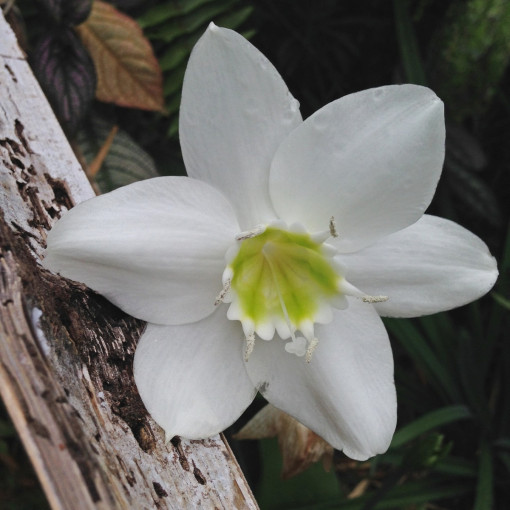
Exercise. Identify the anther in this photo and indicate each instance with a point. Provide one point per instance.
(250, 344)
(314, 342)
(248, 234)
(332, 227)
(374, 299)
(221, 296)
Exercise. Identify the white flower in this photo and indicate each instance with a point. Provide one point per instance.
(252, 219)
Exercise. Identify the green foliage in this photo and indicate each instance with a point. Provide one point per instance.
(408, 44)
(471, 54)
(126, 161)
(313, 487)
(174, 26)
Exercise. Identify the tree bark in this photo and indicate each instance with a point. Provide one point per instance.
(66, 353)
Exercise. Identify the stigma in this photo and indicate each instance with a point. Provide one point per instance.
(282, 280)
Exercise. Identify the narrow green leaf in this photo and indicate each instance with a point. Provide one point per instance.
(414, 494)
(234, 19)
(484, 486)
(429, 422)
(416, 346)
(195, 22)
(403, 496)
(408, 44)
(457, 467)
(504, 302)
(176, 54)
(168, 10)
(440, 334)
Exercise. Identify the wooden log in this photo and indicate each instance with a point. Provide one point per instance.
(66, 353)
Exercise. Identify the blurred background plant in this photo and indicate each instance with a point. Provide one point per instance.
(452, 446)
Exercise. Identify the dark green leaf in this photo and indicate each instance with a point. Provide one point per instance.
(126, 162)
(311, 487)
(194, 23)
(236, 18)
(429, 422)
(425, 358)
(408, 45)
(168, 10)
(484, 486)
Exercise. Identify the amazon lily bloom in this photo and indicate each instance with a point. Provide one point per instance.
(268, 268)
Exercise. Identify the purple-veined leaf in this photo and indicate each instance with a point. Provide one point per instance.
(68, 12)
(66, 74)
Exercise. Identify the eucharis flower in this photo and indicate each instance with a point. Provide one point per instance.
(268, 268)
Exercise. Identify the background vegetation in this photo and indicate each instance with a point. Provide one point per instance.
(452, 447)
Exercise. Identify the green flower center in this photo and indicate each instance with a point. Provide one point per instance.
(281, 279)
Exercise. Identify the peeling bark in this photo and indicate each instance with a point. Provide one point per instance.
(66, 353)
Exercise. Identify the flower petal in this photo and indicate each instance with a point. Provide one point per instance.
(431, 266)
(235, 111)
(346, 394)
(154, 248)
(191, 377)
(371, 159)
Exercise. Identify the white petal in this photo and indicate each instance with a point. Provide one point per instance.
(346, 394)
(431, 266)
(235, 111)
(191, 377)
(371, 159)
(154, 248)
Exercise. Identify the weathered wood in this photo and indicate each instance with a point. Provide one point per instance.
(66, 353)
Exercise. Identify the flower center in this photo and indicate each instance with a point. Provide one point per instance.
(284, 280)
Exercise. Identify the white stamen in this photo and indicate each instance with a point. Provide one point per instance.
(332, 227)
(350, 290)
(314, 342)
(248, 234)
(250, 344)
(220, 298)
(374, 299)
